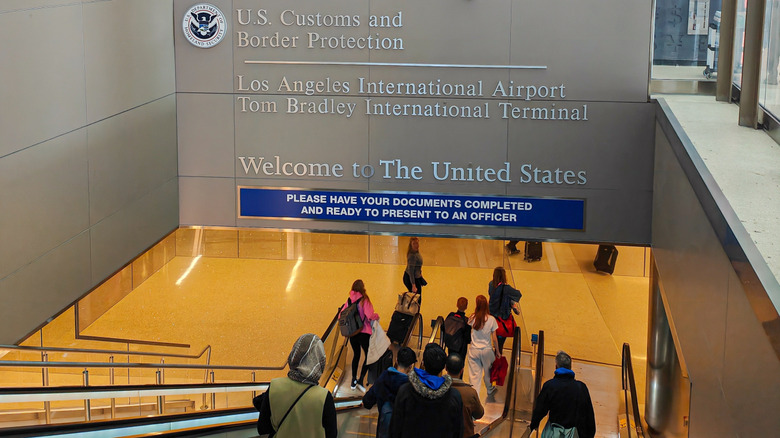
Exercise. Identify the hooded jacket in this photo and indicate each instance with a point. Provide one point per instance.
(426, 407)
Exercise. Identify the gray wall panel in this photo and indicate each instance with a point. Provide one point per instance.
(428, 31)
(748, 362)
(131, 154)
(207, 70)
(44, 287)
(601, 49)
(124, 235)
(125, 66)
(18, 5)
(44, 198)
(723, 345)
(314, 138)
(66, 184)
(210, 128)
(42, 90)
(207, 201)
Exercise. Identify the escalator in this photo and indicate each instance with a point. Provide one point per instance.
(183, 424)
(505, 418)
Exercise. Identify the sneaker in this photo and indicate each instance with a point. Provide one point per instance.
(353, 385)
(361, 388)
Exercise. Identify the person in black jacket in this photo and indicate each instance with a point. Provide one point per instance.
(428, 406)
(566, 400)
(382, 394)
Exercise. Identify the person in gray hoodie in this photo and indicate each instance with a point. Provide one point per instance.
(428, 406)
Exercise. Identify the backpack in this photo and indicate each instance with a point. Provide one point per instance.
(408, 303)
(350, 322)
(455, 331)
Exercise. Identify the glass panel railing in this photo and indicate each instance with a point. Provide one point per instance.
(769, 91)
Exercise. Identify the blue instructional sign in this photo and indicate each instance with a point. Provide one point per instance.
(411, 208)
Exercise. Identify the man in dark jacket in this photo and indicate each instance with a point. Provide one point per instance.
(472, 407)
(428, 406)
(566, 400)
(383, 393)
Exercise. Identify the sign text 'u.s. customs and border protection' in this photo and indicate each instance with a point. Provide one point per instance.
(412, 208)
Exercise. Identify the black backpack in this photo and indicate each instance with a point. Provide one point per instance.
(350, 322)
(456, 329)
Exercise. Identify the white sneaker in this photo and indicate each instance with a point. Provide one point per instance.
(353, 385)
(361, 388)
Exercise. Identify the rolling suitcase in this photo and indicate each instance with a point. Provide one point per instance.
(533, 251)
(606, 257)
(399, 325)
(376, 368)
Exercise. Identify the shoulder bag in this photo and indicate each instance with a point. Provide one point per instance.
(506, 327)
(291, 408)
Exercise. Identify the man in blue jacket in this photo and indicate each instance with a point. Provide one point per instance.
(382, 394)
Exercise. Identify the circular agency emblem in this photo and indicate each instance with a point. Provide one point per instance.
(204, 25)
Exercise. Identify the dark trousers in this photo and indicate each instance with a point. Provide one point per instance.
(408, 284)
(501, 341)
(359, 342)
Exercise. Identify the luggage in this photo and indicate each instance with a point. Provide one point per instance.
(606, 257)
(455, 330)
(376, 368)
(350, 322)
(713, 45)
(399, 326)
(408, 303)
(533, 251)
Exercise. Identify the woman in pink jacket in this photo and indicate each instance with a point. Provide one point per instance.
(360, 340)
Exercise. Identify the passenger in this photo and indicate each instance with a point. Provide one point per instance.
(484, 347)
(360, 340)
(427, 406)
(383, 393)
(413, 270)
(472, 408)
(566, 400)
(457, 331)
(503, 300)
(292, 405)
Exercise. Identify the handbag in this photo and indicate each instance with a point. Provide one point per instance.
(554, 430)
(506, 327)
(408, 303)
(378, 343)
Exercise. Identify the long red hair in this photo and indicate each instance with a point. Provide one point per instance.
(480, 313)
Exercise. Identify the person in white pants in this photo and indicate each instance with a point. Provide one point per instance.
(484, 346)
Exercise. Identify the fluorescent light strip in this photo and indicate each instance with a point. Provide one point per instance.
(189, 269)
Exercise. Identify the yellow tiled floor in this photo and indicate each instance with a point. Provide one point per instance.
(250, 293)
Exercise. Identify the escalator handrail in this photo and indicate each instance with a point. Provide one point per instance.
(101, 351)
(81, 427)
(539, 366)
(416, 322)
(437, 328)
(629, 384)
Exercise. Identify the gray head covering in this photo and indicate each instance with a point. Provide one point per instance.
(307, 359)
